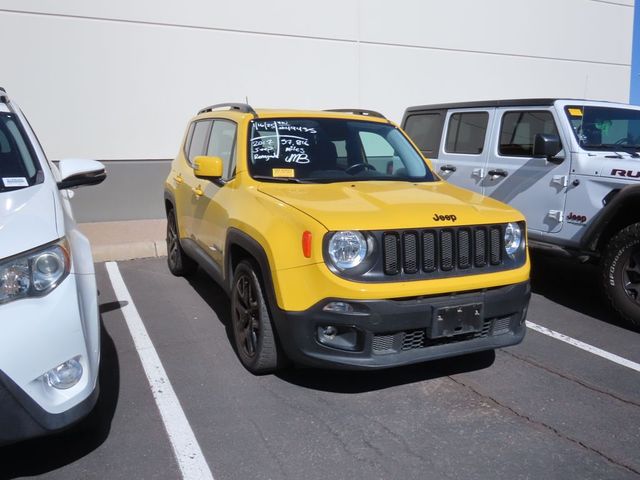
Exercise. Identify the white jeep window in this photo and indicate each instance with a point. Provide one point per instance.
(518, 131)
(467, 132)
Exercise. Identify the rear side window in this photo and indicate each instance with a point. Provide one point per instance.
(425, 130)
(199, 138)
(466, 132)
(519, 129)
(222, 144)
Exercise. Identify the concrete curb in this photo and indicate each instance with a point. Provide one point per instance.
(126, 240)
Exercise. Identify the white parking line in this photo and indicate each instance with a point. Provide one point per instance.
(585, 346)
(185, 446)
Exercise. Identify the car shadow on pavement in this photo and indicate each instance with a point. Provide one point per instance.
(573, 285)
(215, 297)
(45, 454)
(346, 381)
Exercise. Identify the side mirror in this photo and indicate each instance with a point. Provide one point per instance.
(76, 173)
(208, 167)
(546, 145)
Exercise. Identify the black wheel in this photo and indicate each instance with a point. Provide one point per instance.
(180, 264)
(253, 334)
(621, 273)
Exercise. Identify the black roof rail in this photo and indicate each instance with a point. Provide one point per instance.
(358, 111)
(243, 107)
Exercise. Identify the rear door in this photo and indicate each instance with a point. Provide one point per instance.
(463, 153)
(535, 186)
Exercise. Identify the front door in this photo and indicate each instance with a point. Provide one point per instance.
(535, 186)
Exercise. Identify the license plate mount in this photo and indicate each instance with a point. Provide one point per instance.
(456, 320)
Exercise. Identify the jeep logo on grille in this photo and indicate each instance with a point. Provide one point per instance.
(442, 218)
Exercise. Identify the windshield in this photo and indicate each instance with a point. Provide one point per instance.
(605, 128)
(18, 168)
(332, 150)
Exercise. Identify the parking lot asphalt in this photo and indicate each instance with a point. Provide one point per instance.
(542, 409)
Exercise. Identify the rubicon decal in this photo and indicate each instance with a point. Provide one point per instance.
(576, 218)
(618, 172)
(442, 218)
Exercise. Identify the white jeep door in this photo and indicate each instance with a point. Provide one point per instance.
(463, 154)
(535, 186)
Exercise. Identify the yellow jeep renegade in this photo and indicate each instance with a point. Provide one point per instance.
(337, 244)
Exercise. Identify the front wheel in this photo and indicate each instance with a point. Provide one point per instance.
(621, 273)
(253, 333)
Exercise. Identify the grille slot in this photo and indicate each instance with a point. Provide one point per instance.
(391, 253)
(429, 252)
(480, 241)
(446, 250)
(495, 239)
(382, 343)
(464, 248)
(410, 252)
(413, 339)
(501, 325)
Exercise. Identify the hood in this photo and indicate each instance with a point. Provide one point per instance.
(381, 205)
(27, 219)
(622, 166)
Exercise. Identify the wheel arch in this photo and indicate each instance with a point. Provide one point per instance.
(239, 246)
(617, 214)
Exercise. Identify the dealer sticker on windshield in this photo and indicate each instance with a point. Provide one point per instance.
(15, 182)
(575, 112)
(283, 172)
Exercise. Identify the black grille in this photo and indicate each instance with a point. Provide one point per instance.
(445, 250)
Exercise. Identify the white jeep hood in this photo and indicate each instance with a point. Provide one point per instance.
(27, 219)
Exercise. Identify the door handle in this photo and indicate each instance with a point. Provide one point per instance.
(498, 173)
(448, 168)
(197, 191)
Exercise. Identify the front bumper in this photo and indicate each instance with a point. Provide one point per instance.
(22, 418)
(403, 331)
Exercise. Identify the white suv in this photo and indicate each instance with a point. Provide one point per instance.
(49, 320)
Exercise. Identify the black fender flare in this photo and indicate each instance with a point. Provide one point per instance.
(624, 198)
(256, 250)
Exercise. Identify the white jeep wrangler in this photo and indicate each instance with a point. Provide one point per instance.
(571, 166)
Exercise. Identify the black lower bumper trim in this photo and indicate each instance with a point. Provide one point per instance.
(386, 333)
(22, 418)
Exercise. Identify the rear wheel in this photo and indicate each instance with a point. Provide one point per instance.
(180, 264)
(253, 333)
(621, 273)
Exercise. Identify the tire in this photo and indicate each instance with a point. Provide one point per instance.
(621, 273)
(179, 263)
(253, 332)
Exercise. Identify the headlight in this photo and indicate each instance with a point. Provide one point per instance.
(347, 249)
(34, 273)
(512, 238)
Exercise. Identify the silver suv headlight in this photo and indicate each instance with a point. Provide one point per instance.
(34, 273)
(512, 238)
(347, 249)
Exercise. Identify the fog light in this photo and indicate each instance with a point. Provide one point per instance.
(329, 332)
(65, 375)
(341, 337)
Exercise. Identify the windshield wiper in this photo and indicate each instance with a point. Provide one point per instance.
(279, 179)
